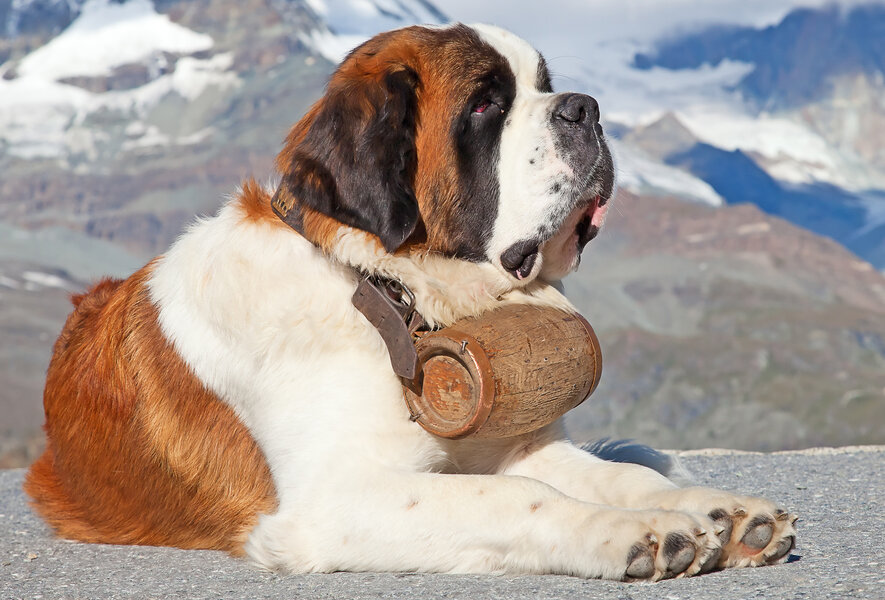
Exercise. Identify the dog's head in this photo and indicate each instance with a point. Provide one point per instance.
(450, 141)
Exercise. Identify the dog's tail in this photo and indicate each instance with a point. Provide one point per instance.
(630, 451)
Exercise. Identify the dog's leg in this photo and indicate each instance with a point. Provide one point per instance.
(754, 530)
(394, 521)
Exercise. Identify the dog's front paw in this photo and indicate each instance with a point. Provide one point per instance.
(755, 531)
(674, 544)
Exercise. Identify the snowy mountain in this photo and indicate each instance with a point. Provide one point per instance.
(819, 71)
(126, 58)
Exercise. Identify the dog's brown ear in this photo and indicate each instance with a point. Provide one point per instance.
(352, 158)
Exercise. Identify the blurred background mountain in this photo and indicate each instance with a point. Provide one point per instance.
(738, 287)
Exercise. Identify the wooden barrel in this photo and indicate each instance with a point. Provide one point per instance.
(508, 372)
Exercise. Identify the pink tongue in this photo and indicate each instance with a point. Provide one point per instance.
(599, 216)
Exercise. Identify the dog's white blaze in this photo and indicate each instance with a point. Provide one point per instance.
(529, 165)
(523, 58)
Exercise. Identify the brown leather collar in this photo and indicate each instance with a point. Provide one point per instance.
(388, 304)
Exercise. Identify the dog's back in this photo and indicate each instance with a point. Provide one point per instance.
(152, 459)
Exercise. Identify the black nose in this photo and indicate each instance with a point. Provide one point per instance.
(578, 109)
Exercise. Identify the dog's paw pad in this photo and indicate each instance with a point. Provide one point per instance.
(763, 539)
(679, 553)
(712, 560)
(641, 559)
(759, 532)
(724, 520)
(676, 545)
(752, 531)
(783, 548)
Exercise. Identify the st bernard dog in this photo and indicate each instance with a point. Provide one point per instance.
(228, 395)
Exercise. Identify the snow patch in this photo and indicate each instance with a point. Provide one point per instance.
(642, 174)
(753, 228)
(45, 279)
(332, 46)
(192, 76)
(34, 114)
(151, 136)
(791, 152)
(351, 22)
(135, 129)
(9, 282)
(196, 137)
(875, 207)
(772, 137)
(107, 35)
(40, 117)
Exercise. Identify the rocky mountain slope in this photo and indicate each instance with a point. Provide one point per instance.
(721, 326)
(729, 327)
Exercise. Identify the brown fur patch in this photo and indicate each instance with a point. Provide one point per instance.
(448, 62)
(139, 451)
(322, 230)
(452, 62)
(255, 203)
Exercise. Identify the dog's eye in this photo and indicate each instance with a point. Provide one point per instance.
(487, 106)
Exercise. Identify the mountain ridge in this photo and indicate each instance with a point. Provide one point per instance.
(794, 61)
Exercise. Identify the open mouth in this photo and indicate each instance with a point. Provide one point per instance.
(576, 231)
(590, 221)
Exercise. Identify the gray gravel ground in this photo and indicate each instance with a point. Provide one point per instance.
(840, 495)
